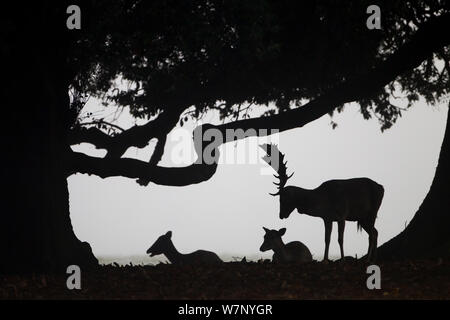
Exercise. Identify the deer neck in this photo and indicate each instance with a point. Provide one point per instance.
(307, 201)
(172, 253)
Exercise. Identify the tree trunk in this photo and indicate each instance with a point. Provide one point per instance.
(36, 232)
(428, 234)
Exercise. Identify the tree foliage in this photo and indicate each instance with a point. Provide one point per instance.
(171, 55)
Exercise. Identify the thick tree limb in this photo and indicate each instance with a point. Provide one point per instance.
(159, 150)
(155, 158)
(90, 135)
(136, 169)
(428, 39)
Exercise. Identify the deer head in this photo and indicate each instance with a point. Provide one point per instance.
(276, 160)
(161, 244)
(272, 239)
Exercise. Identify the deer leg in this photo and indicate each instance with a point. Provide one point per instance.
(328, 228)
(341, 227)
(368, 229)
(370, 253)
(374, 240)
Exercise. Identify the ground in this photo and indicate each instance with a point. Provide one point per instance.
(425, 279)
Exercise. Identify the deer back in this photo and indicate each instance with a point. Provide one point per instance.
(295, 251)
(201, 257)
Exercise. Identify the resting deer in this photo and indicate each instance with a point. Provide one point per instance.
(355, 199)
(294, 251)
(164, 245)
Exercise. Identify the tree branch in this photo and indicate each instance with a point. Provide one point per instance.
(155, 158)
(136, 169)
(137, 136)
(91, 135)
(159, 150)
(408, 57)
(422, 45)
(100, 122)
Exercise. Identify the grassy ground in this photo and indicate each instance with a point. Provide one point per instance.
(317, 280)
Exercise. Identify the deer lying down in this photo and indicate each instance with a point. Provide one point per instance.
(165, 246)
(294, 251)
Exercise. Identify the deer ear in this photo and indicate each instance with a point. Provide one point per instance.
(265, 229)
(169, 234)
(282, 231)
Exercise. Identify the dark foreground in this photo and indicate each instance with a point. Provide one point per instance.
(317, 280)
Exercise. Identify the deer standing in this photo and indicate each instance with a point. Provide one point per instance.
(294, 251)
(164, 245)
(355, 199)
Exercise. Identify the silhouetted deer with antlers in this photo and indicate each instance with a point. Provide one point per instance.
(355, 199)
(294, 251)
(164, 245)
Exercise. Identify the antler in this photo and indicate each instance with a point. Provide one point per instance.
(276, 160)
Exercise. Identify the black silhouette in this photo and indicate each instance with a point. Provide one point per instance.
(355, 199)
(294, 251)
(163, 245)
(196, 57)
